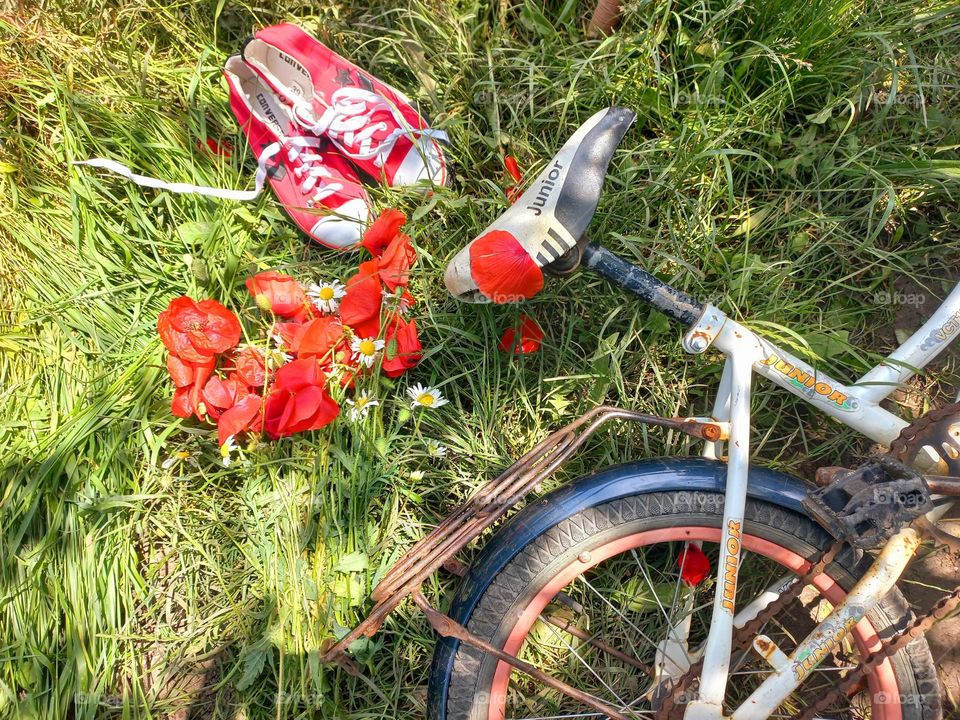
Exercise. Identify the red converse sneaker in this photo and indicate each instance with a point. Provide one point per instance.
(371, 123)
(317, 187)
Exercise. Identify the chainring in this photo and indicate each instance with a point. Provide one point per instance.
(931, 443)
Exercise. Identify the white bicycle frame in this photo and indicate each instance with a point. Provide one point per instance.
(856, 406)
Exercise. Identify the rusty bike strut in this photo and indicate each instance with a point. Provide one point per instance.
(488, 505)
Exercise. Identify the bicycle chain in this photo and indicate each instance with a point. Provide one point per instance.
(852, 681)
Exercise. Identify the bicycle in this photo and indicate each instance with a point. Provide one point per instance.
(594, 601)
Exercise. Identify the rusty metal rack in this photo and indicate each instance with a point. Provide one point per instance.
(491, 503)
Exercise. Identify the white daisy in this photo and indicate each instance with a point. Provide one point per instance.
(326, 296)
(360, 406)
(181, 456)
(435, 449)
(365, 350)
(226, 449)
(274, 358)
(401, 301)
(428, 397)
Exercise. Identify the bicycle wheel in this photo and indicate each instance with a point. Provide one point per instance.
(590, 600)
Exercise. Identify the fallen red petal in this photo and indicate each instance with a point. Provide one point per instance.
(524, 339)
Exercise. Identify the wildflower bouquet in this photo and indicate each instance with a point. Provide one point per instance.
(310, 345)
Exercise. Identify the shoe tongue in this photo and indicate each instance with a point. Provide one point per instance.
(294, 76)
(270, 112)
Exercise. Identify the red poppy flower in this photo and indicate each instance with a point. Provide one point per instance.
(196, 331)
(403, 349)
(522, 340)
(360, 307)
(242, 417)
(249, 364)
(189, 379)
(219, 395)
(298, 400)
(396, 261)
(694, 565)
(281, 294)
(384, 229)
(319, 337)
(502, 269)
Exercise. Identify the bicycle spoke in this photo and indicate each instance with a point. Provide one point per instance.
(671, 628)
(640, 632)
(582, 661)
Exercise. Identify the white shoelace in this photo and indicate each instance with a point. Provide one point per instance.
(347, 122)
(310, 173)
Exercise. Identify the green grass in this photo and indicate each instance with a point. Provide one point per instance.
(790, 161)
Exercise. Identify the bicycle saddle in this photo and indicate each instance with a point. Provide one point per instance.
(503, 263)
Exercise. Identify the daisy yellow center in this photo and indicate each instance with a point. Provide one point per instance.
(182, 455)
(326, 293)
(367, 347)
(225, 450)
(361, 402)
(426, 399)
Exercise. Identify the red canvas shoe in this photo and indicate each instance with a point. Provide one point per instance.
(318, 188)
(371, 123)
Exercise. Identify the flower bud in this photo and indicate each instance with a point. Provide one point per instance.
(263, 302)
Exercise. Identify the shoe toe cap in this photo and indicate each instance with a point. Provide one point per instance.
(343, 228)
(423, 163)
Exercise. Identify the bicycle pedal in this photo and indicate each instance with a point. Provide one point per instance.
(868, 505)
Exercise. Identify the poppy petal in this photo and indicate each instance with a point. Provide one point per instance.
(181, 405)
(694, 565)
(239, 418)
(502, 269)
(525, 338)
(361, 304)
(383, 230)
(320, 336)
